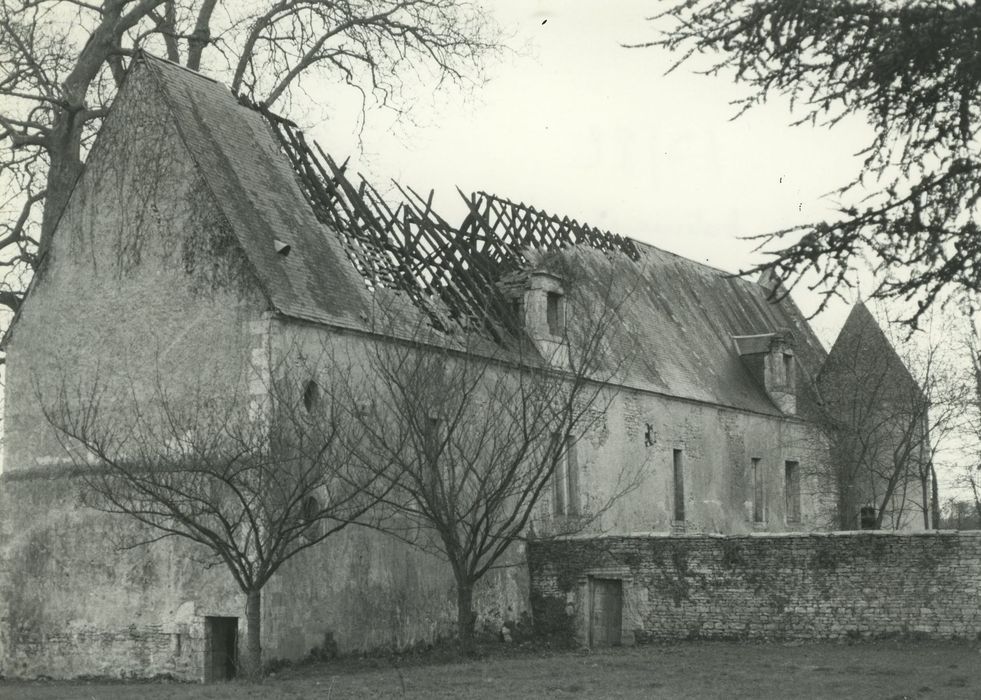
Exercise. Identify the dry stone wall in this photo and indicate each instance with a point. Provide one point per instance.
(792, 586)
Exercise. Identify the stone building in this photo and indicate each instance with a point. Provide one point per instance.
(877, 417)
(194, 245)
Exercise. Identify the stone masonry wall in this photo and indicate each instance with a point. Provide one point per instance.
(793, 586)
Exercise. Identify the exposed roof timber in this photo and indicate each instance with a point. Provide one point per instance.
(450, 273)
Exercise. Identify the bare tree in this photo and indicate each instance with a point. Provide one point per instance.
(970, 476)
(480, 435)
(253, 482)
(61, 62)
(910, 70)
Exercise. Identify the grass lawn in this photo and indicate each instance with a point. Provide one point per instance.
(866, 670)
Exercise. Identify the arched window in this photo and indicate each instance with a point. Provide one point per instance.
(311, 396)
(310, 518)
(311, 508)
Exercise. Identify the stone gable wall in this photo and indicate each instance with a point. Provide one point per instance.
(794, 586)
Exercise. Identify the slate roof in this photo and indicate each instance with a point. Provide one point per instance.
(258, 193)
(684, 316)
(862, 350)
(684, 319)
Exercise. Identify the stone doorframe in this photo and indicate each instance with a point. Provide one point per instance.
(582, 600)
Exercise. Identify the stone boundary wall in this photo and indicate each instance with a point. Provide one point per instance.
(793, 586)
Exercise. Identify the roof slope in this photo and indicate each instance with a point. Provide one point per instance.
(682, 316)
(682, 319)
(261, 199)
(862, 352)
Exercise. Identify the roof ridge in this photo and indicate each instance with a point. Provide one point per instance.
(144, 54)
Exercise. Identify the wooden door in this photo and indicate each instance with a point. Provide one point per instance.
(606, 612)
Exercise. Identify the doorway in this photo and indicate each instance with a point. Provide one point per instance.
(220, 648)
(605, 612)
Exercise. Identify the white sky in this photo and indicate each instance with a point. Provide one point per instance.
(579, 126)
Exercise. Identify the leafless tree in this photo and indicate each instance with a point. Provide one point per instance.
(970, 476)
(252, 481)
(61, 62)
(480, 435)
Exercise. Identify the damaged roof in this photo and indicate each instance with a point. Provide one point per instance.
(684, 315)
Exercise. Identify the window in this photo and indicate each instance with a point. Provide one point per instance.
(758, 492)
(432, 446)
(788, 369)
(518, 309)
(792, 488)
(310, 509)
(554, 313)
(311, 396)
(310, 517)
(565, 480)
(432, 436)
(679, 487)
(867, 518)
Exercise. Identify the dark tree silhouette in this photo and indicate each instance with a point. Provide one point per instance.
(911, 69)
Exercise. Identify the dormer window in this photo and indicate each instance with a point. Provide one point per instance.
(555, 313)
(770, 359)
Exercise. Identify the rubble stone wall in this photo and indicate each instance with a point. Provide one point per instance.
(789, 586)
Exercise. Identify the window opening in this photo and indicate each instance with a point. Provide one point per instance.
(565, 480)
(758, 491)
(679, 486)
(788, 369)
(311, 396)
(792, 488)
(554, 313)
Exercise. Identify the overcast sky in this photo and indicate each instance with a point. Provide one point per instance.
(579, 126)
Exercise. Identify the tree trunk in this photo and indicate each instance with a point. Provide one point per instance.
(934, 498)
(253, 628)
(465, 617)
(847, 508)
(65, 166)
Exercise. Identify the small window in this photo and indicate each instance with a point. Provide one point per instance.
(311, 518)
(759, 510)
(792, 489)
(867, 518)
(311, 509)
(518, 309)
(679, 486)
(311, 396)
(554, 313)
(432, 436)
(436, 460)
(788, 369)
(565, 480)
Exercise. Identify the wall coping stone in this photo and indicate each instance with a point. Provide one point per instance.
(579, 537)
